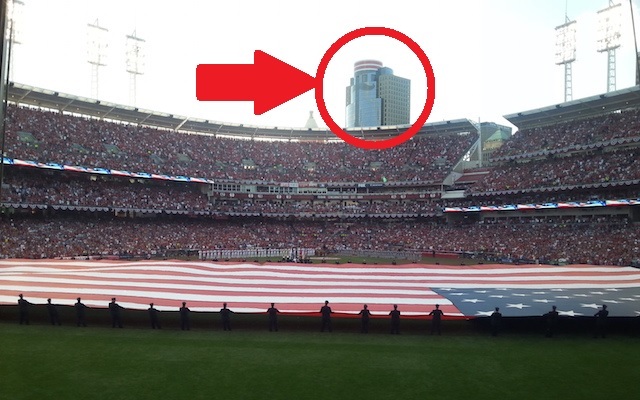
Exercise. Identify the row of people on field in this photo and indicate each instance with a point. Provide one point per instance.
(272, 312)
(115, 311)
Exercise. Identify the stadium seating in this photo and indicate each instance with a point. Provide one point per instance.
(43, 136)
(55, 214)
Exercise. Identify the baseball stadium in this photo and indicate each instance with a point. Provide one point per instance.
(522, 235)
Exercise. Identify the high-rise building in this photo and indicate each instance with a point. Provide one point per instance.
(376, 97)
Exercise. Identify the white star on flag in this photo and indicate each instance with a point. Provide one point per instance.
(484, 313)
(539, 292)
(518, 306)
(481, 291)
(597, 293)
(611, 301)
(569, 313)
(542, 301)
(581, 295)
(473, 301)
(592, 305)
(612, 290)
(628, 299)
(498, 296)
(457, 294)
(557, 290)
(563, 297)
(519, 294)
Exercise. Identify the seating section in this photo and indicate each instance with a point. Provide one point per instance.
(598, 150)
(565, 162)
(578, 240)
(52, 137)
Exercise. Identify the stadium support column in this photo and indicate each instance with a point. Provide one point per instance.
(5, 59)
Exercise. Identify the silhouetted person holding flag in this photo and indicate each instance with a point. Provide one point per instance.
(184, 317)
(601, 321)
(552, 319)
(225, 316)
(23, 309)
(80, 312)
(326, 312)
(114, 310)
(395, 320)
(496, 322)
(272, 312)
(153, 317)
(364, 319)
(53, 313)
(436, 320)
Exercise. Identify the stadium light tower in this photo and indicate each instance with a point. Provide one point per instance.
(609, 26)
(96, 52)
(135, 63)
(566, 53)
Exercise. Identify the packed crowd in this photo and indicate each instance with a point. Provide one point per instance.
(56, 189)
(598, 129)
(578, 240)
(44, 136)
(581, 169)
(541, 197)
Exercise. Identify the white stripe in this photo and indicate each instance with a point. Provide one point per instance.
(180, 267)
(130, 283)
(368, 280)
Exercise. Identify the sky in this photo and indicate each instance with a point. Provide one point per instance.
(490, 57)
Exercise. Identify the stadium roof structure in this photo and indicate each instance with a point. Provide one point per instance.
(50, 99)
(578, 109)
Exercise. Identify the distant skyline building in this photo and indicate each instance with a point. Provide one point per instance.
(376, 97)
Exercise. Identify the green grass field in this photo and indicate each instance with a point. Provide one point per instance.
(44, 362)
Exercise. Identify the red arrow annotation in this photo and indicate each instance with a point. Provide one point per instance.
(268, 82)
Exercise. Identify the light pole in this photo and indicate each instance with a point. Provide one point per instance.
(96, 53)
(135, 63)
(566, 53)
(609, 25)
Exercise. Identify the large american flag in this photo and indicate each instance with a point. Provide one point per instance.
(461, 291)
